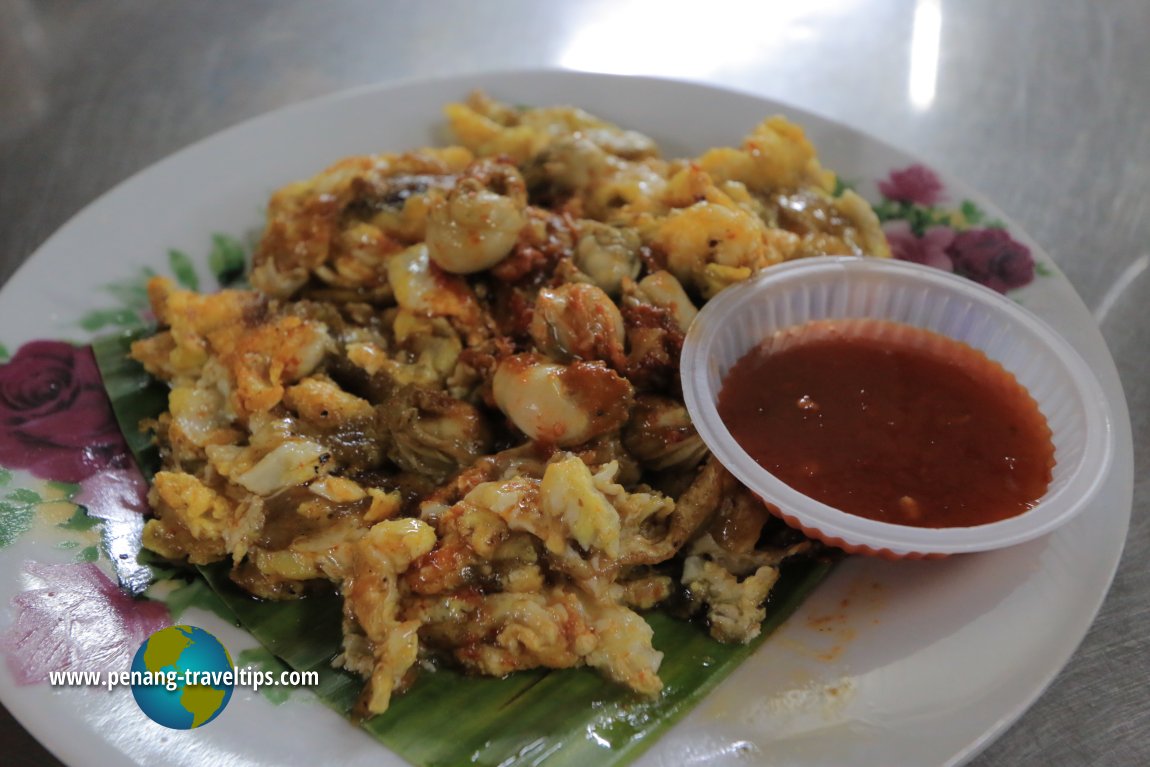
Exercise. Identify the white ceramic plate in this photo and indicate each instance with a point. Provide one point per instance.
(916, 663)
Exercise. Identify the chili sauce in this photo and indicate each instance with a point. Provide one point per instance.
(890, 422)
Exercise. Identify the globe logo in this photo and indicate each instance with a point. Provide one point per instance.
(182, 677)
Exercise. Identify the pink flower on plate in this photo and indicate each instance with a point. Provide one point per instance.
(55, 419)
(993, 258)
(119, 497)
(115, 494)
(75, 619)
(930, 249)
(917, 184)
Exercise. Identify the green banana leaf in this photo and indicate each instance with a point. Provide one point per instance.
(135, 395)
(539, 717)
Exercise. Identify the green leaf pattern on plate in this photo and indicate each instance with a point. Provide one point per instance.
(227, 261)
(183, 269)
(962, 239)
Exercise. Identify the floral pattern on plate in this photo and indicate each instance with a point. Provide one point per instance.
(57, 424)
(962, 240)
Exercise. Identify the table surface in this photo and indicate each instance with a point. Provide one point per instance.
(1044, 107)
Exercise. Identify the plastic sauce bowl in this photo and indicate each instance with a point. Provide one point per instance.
(1068, 395)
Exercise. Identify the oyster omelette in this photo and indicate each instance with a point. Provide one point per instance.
(452, 394)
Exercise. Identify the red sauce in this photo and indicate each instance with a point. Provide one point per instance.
(891, 423)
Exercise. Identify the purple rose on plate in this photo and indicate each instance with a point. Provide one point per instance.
(917, 185)
(55, 418)
(930, 249)
(991, 257)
